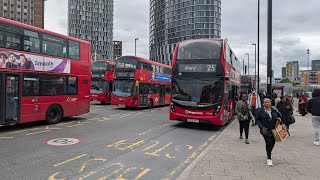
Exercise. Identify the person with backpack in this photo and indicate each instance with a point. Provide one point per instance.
(286, 110)
(314, 109)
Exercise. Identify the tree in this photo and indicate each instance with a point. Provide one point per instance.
(285, 81)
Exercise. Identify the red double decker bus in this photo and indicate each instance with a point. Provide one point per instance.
(43, 75)
(102, 75)
(205, 82)
(140, 83)
(246, 84)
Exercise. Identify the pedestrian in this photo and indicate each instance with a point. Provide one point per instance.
(267, 119)
(277, 100)
(244, 116)
(303, 103)
(314, 109)
(255, 104)
(286, 110)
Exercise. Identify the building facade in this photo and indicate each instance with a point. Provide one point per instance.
(315, 65)
(292, 70)
(29, 12)
(174, 20)
(117, 49)
(92, 20)
(309, 77)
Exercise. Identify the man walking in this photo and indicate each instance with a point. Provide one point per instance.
(313, 108)
(254, 103)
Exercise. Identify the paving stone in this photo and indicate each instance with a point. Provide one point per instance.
(213, 171)
(238, 172)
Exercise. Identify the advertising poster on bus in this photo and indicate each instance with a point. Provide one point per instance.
(23, 61)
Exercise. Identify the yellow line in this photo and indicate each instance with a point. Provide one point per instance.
(144, 132)
(69, 160)
(142, 173)
(6, 137)
(16, 132)
(38, 132)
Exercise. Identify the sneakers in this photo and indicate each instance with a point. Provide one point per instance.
(269, 162)
(241, 137)
(317, 143)
(247, 141)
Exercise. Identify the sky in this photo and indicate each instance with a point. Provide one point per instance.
(295, 28)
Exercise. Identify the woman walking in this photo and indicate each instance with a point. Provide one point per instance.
(303, 103)
(286, 110)
(267, 119)
(314, 109)
(244, 116)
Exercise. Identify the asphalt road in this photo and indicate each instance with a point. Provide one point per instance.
(108, 143)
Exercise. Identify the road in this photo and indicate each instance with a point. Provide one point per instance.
(108, 143)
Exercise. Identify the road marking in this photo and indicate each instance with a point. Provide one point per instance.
(69, 160)
(159, 150)
(6, 137)
(164, 125)
(178, 147)
(144, 133)
(53, 176)
(16, 132)
(128, 145)
(115, 115)
(105, 119)
(63, 142)
(50, 128)
(142, 174)
(76, 125)
(155, 144)
(84, 165)
(38, 132)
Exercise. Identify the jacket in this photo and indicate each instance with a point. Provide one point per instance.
(314, 106)
(242, 109)
(258, 101)
(285, 109)
(263, 119)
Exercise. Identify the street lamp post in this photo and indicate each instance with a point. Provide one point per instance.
(243, 73)
(258, 84)
(255, 65)
(308, 52)
(269, 50)
(135, 46)
(248, 62)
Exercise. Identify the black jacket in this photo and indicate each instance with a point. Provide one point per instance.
(285, 109)
(263, 119)
(314, 106)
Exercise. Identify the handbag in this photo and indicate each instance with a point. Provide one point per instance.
(280, 133)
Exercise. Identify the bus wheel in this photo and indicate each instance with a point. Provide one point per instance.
(103, 103)
(150, 104)
(54, 114)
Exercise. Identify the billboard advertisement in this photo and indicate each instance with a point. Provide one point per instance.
(22, 61)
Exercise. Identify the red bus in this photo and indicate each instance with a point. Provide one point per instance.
(43, 75)
(246, 84)
(102, 75)
(205, 82)
(140, 83)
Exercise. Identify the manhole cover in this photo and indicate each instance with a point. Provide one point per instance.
(63, 142)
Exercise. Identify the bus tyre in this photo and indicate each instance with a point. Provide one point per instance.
(150, 104)
(54, 114)
(103, 103)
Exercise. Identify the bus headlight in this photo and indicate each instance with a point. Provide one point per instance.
(172, 107)
(216, 112)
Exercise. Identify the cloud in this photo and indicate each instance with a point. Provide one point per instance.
(295, 28)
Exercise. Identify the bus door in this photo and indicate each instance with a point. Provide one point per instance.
(9, 98)
(144, 91)
(162, 95)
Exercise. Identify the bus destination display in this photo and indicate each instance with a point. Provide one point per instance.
(198, 68)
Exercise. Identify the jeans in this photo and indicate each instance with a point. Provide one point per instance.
(316, 127)
(270, 142)
(244, 125)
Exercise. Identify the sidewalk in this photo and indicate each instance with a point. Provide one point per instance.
(230, 158)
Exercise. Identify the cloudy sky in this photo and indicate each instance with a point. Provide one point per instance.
(295, 28)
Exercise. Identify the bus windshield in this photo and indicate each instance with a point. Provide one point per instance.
(200, 49)
(126, 63)
(98, 86)
(197, 92)
(123, 88)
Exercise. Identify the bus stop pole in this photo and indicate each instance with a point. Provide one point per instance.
(269, 51)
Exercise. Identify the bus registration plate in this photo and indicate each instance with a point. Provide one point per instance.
(193, 120)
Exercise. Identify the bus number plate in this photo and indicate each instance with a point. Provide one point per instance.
(193, 120)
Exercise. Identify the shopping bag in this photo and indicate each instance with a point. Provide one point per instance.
(280, 133)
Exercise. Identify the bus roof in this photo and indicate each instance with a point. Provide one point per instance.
(40, 30)
(106, 61)
(147, 61)
(213, 39)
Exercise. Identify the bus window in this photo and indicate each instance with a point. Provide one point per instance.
(31, 41)
(74, 50)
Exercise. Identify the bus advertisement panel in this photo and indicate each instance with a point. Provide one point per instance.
(205, 82)
(43, 75)
(141, 83)
(102, 75)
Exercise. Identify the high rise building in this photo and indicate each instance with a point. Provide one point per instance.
(315, 65)
(309, 77)
(92, 20)
(292, 70)
(174, 20)
(117, 49)
(24, 11)
(284, 72)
